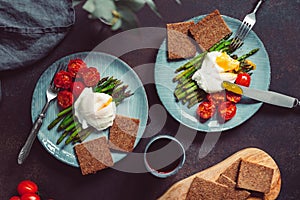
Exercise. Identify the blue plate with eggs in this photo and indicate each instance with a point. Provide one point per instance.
(136, 106)
(260, 79)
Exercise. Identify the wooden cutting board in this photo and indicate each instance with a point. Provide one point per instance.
(179, 190)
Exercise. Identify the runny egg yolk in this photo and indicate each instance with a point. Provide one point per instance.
(227, 63)
(105, 104)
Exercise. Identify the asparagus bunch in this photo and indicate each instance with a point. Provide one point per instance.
(245, 65)
(68, 125)
(187, 90)
(245, 56)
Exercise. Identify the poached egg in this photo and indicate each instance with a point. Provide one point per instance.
(95, 109)
(216, 68)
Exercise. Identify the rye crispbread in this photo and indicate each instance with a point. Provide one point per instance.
(93, 155)
(202, 189)
(178, 42)
(255, 198)
(255, 177)
(236, 194)
(211, 29)
(123, 132)
(224, 180)
(232, 171)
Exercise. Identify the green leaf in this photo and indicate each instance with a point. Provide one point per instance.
(89, 6)
(100, 8)
(152, 5)
(134, 5)
(129, 19)
(104, 9)
(76, 2)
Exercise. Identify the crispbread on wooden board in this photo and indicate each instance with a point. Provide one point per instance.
(179, 190)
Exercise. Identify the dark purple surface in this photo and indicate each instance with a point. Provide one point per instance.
(272, 129)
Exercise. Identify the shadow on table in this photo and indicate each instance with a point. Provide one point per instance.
(0, 91)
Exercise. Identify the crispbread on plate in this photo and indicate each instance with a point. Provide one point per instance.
(123, 132)
(93, 155)
(178, 42)
(211, 29)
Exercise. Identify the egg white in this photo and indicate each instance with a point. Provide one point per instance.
(91, 110)
(210, 76)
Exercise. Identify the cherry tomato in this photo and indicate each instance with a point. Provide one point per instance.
(77, 88)
(65, 98)
(27, 186)
(227, 110)
(90, 76)
(206, 110)
(235, 98)
(75, 65)
(243, 79)
(63, 79)
(15, 198)
(216, 98)
(29, 196)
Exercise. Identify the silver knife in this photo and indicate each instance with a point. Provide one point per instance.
(263, 96)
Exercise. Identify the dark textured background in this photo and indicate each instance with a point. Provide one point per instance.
(273, 129)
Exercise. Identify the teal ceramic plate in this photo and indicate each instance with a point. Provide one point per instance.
(165, 71)
(135, 106)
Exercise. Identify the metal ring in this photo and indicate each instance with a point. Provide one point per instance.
(169, 173)
(296, 103)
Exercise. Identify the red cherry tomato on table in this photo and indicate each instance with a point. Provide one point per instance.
(235, 98)
(63, 79)
(243, 79)
(90, 76)
(27, 186)
(206, 110)
(65, 98)
(75, 65)
(227, 110)
(77, 88)
(15, 198)
(29, 196)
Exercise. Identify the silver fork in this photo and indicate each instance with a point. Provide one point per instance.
(244, 28)
(51, 94)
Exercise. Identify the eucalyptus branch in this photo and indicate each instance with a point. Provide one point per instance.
(117, 13)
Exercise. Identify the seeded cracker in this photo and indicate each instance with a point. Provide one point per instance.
(210, 30)
(123, 132)
(255, 177)
(93, 155)
(202, 189)
(179, 44)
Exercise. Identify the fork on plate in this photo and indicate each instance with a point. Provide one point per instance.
(244, 28)
(51, 94)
